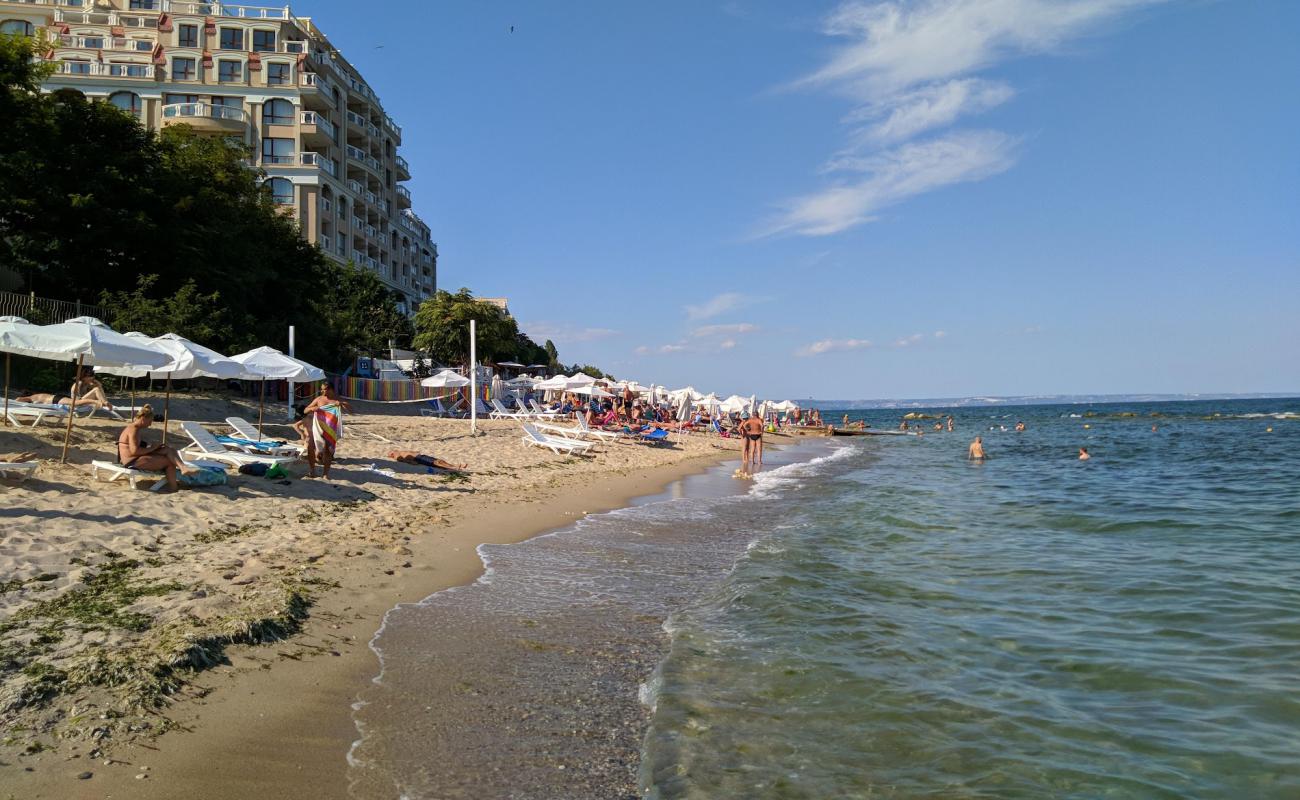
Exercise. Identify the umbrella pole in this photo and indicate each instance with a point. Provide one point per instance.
(7, 357)
(261, 406)
(72, 412)
(167, 408)
(133, 396)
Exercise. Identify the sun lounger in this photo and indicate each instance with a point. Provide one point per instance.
(542, 412)
(483, 411)
(39, 411)
(22, 470)
(501, 412)
(247, 439)
(579, 431)
(436, 409)
(132, 476)
(556, 444)
(206, 445)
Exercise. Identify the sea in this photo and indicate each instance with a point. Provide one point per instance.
(880, 617)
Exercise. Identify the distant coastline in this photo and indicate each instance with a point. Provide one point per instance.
(1038, 400)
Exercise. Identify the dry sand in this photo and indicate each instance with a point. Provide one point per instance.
(114, 596)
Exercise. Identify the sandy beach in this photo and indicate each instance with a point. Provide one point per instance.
(235, 619)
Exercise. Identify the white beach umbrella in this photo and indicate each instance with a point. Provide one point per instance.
(189, 360)
(580, 379)
(594, 391)
(9, 323)
(558, 383)
(268, 363)
(447, 379)
(84, 340)
(522, 382)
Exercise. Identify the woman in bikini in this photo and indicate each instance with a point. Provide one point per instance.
(135, 453)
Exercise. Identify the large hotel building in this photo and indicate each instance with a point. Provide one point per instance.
(272, 79)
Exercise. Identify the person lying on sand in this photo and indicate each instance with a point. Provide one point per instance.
(419, 459)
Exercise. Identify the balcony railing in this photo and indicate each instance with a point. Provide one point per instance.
(404, 192)
(312, 118)
(370, 197)
(357, 187)
(223, 10)
(205, 111)
(371, 232)
(397, 129)
(311, 159)
(119, 43)
(112, 70)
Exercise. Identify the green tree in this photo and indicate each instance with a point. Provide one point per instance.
(552, 356)
(187, 312)
(354, 313)
(442, 328)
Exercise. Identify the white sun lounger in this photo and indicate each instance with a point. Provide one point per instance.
(501, 412)
(556, 444)
(206, 445)
(118, 472)
(541, 412)
(581, 431)
(246, 431)
(22, 470)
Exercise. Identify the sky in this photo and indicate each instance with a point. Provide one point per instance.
(852, 200)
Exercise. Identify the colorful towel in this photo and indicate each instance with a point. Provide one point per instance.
(327, 428)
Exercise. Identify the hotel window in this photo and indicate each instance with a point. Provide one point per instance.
(143, 5)
(264, 41)
(187, 36)
(17, 27)
(277, 112)
(127, 101)
(183, 69)
(93, 42)
(76, 67)
(178, 99)
(277, 74)
(232, 38)
(281, 191)
(277, 151)
(230, 71)
(235, 104)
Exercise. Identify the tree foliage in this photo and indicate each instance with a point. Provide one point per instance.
(442, 328)
(173, 230)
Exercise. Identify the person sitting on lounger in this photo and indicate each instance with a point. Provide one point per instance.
(87, 387)
(419, 459)
(134, 452)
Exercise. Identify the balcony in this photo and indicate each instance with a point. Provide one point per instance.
(316, 129)
(141, 71)
(310, 159)
(358, 188)
(356, 121)
(403, 197)
(371, 198)
(115, 43)
(223, 10)
(393, 126)
(317, 90)
(207, 118)
(403, 169)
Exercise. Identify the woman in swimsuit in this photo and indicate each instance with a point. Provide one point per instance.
(419, 459)
(87, 389)
(135, 453)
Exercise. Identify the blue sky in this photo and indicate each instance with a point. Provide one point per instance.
(863, 199)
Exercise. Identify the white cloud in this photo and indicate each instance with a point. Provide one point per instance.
(663, 349)
(940, 334)
(833, 346)
(721, 304)
(896, 46)
(726, 344)
(907, 341)
(562, 333)
(736, 329)
(908, 69)
(672, 348)
(895, 175)
(936, 105)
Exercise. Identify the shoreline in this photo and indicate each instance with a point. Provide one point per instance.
(289, 728)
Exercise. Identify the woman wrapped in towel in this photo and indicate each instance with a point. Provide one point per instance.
(324, 418)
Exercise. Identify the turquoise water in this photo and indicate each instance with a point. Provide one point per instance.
(906, 623)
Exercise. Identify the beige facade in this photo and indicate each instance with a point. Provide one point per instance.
(314, 125)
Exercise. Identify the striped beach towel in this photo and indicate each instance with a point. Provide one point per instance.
(327, 428)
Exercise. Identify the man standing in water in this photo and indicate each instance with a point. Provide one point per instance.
(976, 452)
(752, 429)
(1083, 454)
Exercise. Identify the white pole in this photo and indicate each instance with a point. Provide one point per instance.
(473, 378)
(289, 410)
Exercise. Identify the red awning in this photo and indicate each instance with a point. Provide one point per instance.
(159, 58)
(165, 22)
(254, 62)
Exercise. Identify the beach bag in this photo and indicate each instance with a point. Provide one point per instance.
(276, 471)
(253, 469)
(206, 476)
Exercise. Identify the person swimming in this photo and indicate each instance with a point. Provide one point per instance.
(976, 451)
(1083, 454)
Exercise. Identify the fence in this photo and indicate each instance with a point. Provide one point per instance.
(43, 310)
